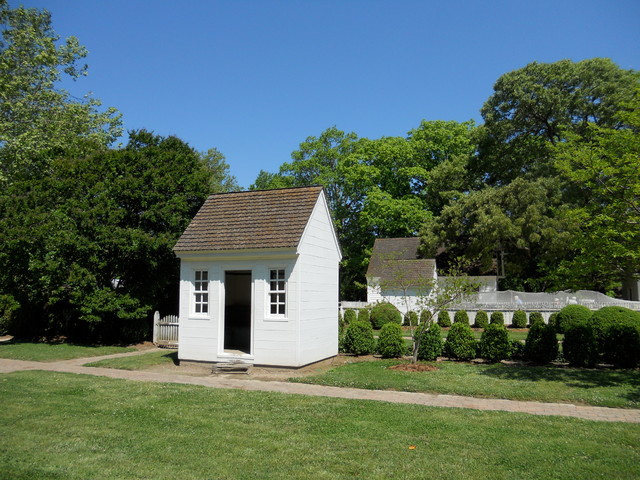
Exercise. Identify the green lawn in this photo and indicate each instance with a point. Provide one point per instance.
(63, 426)
(139, 362)
(53, 352)
(610, 388)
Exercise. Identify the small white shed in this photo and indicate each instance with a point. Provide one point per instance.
(259, 279)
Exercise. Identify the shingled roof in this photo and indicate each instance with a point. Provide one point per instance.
(398, 257)
(250, 220)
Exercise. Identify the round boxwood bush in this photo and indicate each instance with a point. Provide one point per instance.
(494, 343)
(602, 321)
(497, 318)
(481, 320)
(363, 315)
(461, 316)
(444, 320)
(431, 343)
(516, 349)
(358, 339)
(383, 313)
(460, 342)
(350, 316)
(626, 337)
(390, 342)
(410, 319)
(541, 345)
(425, 316)
(579, 347)
(519, 319)
(535, 317)
(571, 314)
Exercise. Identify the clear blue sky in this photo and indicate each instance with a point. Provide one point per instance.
(255, 78)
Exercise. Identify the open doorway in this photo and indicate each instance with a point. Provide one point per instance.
(237, 311)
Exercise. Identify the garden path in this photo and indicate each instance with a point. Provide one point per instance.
(239, 383)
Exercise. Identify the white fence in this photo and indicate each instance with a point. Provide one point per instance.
(509, 301)
(165, 331)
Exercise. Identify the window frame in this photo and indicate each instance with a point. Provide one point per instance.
(282, 294)
(198, 302)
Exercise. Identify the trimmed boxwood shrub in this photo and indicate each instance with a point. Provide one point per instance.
(390, 342)
(383, 313)
(461, 316)
(425, 316)
(350, 316)
(460, 342)
(579, 347)
(519, 319)
(536, 317)
(494, 343)
(497, 318)
(431, 343)
(410, 319)
(541, 345)
(626, 337)
(358, 339)
(571, 314)
(444, 320)
(516, 349)
(363, 315)
(481, 320)
(610, 345)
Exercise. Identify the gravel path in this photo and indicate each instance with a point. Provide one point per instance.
(244, 383)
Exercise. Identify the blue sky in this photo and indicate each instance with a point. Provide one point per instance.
(255, 78)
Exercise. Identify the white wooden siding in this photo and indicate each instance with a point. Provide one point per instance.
(309, 330)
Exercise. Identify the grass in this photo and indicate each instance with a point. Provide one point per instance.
(139, 362)
(608, 388)
(63, 426)
(53, 352)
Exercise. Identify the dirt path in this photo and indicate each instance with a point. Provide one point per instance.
(254, 384)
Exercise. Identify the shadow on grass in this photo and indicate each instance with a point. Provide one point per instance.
(572, 377)
(173, 356)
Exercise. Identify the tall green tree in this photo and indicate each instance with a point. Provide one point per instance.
(605, 164)
(87, 250)
(536, 107)
(38, 120)
(516, 202)
(376, 188)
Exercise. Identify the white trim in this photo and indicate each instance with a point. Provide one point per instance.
(193, 292)
(277, 317)
(322, 199)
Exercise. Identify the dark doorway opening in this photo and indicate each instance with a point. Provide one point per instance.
(237, 311)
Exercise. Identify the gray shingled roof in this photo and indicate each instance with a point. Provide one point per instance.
(249, 220)
(394, 258)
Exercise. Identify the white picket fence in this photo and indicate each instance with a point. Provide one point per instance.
(165, 331)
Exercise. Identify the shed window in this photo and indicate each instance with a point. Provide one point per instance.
(201, 291)
(277, 292)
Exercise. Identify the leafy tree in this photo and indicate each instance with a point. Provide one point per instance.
(604, 164)
(535, 107)
(39, 120)
(87, 250)
(516, 201)
(375, 188)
